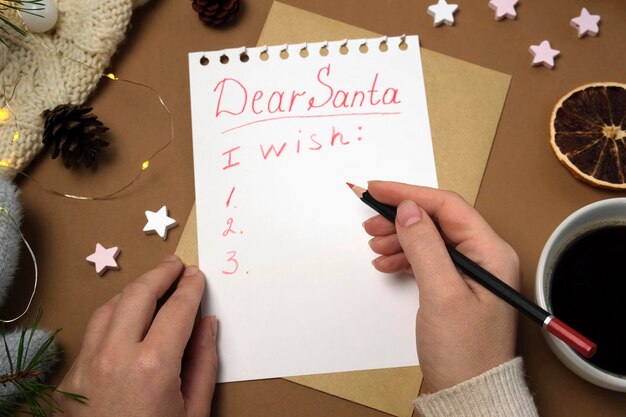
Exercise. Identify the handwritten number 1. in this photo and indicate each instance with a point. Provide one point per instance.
(234, 261)
(230, 196)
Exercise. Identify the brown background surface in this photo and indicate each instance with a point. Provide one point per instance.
(524, 195)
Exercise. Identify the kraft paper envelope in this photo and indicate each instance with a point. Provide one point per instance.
(475, 95)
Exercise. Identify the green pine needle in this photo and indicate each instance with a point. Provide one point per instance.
(6, 349)
(25, 377)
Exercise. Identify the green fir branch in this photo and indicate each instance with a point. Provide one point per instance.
(12, 25)
(17, 5)
(36, 395)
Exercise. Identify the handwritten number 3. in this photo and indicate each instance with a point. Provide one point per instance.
(232, 259)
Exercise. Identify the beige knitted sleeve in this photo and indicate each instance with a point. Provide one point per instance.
(88, 31)
(499, 392)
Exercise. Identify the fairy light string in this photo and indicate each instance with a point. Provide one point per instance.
(110, 76)
(32, 255)
(6, 112)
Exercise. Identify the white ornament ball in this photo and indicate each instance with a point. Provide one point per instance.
(41, 16)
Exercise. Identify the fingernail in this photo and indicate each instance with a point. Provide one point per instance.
(171, 258)
(213, 320)
(408, 213)
(190, 270)
(369, 242)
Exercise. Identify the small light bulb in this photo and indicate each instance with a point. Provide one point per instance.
(5, 113)
(145, 165)
(112, 76)
(16, 136)
(4, 163)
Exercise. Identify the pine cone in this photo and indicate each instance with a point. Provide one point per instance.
(216, 12)
(74, 132)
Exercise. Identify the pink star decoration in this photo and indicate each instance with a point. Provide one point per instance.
(104, 258)
(504, 8)
(544, 54)
(587, 24)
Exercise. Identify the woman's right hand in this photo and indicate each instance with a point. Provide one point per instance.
(462, 329)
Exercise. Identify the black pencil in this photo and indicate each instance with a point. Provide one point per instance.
(501, 289)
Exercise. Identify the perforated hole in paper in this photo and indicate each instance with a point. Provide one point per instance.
(403, 45)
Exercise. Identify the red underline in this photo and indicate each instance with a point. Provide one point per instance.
(269, 119)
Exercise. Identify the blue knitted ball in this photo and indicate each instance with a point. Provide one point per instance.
(10, 244)
(10, 241)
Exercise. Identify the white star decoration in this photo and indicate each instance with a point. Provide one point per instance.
(543, 54)
(586, 23)
(443, 12)
(104, 258)
(159, 222)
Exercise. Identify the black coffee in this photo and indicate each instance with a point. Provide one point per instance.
(589, 293)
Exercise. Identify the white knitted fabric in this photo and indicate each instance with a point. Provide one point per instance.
(88, 31)
(499, 392)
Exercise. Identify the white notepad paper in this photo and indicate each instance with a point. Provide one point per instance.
(277, 132)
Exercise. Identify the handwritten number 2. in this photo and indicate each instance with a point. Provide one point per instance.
(234, 261)
(229, 222)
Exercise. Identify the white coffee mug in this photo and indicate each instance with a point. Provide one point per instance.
(590, 217)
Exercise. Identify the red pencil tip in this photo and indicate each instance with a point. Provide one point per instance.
(570, 336)
(350, 185)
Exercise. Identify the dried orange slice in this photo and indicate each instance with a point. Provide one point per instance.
(588, 133)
